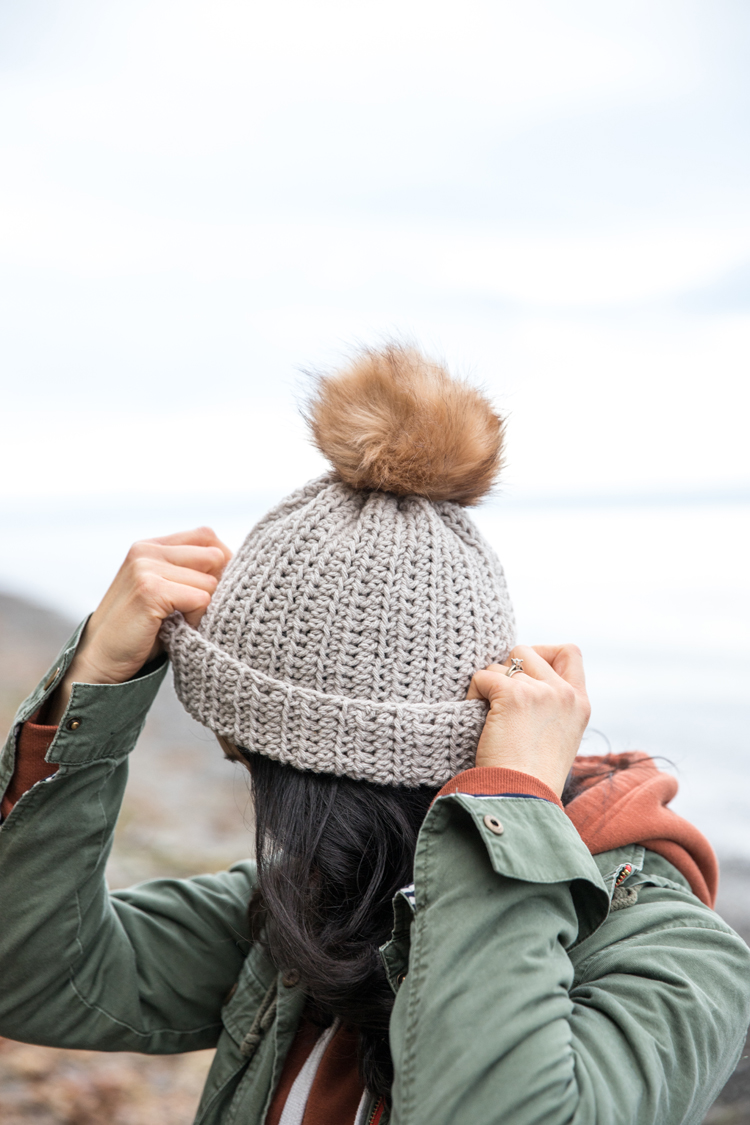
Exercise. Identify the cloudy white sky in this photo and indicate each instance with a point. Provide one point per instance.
(200, 199)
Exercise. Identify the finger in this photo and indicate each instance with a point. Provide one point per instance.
(199, 537)
(184, 576)
(485, 685)
(210, 560)
(188, 600)
(534, 665)
(567, 661)
(194, 619)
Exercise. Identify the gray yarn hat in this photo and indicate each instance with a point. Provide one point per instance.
(345, 631)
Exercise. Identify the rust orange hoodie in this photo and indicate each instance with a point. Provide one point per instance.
(624, 800)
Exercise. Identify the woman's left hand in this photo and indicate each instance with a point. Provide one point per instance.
(536, 717)
(158, 577)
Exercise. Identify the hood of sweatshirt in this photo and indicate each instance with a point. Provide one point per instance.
(624, 800)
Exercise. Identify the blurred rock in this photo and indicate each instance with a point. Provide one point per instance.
(30, 636)
(45, 1086)
(733, 902)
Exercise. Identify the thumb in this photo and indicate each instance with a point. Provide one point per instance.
(191, 601)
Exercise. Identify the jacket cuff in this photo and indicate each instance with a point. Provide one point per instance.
(104, 720)
(113, 714)
(496, 781)
(41, 693)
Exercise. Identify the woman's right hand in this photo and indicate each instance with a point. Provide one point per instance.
(158, 577)
(536, 718)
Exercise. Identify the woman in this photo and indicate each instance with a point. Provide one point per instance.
(452, 919)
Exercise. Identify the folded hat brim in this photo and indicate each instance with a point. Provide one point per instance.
(389, 743)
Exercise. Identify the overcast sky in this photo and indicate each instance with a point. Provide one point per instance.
(198, 200)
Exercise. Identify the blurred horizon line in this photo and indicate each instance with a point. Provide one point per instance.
(98, 505)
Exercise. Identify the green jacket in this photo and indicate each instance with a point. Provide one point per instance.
(521, 997)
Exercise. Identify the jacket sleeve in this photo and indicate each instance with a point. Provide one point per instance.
(145, 969)
(539, 1004)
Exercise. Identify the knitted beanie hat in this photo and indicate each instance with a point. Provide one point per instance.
(344, 633)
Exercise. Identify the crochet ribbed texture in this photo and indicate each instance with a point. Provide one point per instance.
(344, 633)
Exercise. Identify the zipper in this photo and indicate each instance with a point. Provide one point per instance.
(377, 1112)
(625, 870)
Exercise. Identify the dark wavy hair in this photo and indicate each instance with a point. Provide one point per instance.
(331, 854)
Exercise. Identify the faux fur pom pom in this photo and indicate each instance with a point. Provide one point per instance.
(397, 422)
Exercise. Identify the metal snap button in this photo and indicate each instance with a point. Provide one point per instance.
(51, 679)
(290, 978)
(493, 824)
(73, 724)
(401, 978)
